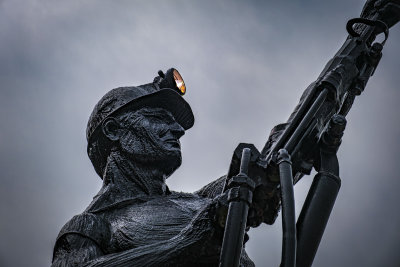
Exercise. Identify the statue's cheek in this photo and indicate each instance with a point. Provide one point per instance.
(128, 142)
(134, 144)
(138, 143)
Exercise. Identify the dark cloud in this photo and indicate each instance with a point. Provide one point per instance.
(245, 63)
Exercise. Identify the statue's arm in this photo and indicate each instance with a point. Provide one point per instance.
(212, 189)
(82, 251)
(75, 249)
(200, 239)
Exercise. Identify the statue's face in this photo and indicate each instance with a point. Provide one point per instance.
(151, 136)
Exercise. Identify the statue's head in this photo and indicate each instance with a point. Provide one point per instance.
(143, 123)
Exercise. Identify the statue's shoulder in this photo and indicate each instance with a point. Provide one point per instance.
(86, 225)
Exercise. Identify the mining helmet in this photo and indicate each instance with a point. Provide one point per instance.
(165, 92)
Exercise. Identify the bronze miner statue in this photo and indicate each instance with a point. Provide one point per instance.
(135, 220)
(133, 142)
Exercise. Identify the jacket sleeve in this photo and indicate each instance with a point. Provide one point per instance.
(84, 238)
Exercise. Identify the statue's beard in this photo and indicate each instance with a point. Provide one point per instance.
(146, 149)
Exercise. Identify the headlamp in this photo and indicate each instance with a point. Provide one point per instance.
(171, 79)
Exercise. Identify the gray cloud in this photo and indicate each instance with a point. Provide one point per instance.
(245, 64)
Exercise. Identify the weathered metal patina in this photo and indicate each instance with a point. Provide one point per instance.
(133, 142)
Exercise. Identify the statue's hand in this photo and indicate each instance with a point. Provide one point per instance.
(388, 10)
(221, 210)
(264, 201)
(265, 206)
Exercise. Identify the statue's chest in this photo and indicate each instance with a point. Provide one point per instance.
(155, 220)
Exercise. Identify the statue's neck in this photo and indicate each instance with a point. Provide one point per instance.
(133, 178)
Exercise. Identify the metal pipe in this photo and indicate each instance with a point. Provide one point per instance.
(239, 198)
(293, 141)
(322, 195)
(314, 216)
(233, 239)
(288, 210)
(295, 120)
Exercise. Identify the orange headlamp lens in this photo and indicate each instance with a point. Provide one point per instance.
(180, 84)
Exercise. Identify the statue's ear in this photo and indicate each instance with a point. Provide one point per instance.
(111, 129)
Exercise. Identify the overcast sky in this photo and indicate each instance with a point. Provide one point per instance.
(245, 64)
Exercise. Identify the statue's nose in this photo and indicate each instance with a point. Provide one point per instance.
(177, 130)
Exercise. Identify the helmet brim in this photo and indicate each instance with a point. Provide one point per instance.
(167, 99)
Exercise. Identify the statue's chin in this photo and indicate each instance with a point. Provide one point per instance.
(165, 162)
(168, 167)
